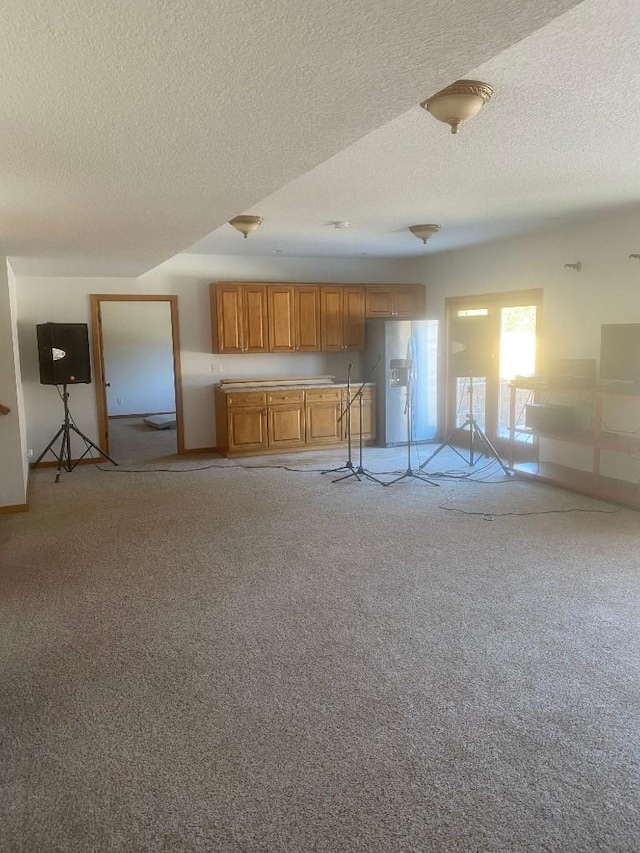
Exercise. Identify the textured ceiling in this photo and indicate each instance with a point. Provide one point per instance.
(558, 141)
(130, 130)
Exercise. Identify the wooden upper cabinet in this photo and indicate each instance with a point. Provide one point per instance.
(331, 318)
(227, 328)
(239, 317)
(256, 317)
(307, 318)
(342, 318)
(294, 318)
(353, 318)
(282, 319)
(255, 314)
(401, 301)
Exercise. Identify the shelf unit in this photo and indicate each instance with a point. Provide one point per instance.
(598, 438)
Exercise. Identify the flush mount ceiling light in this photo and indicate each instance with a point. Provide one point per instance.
(423, 232)
(338, 223)
(458, 102)
(246, 224)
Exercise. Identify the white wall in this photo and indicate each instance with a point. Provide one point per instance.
(188, 276)
(13, 458)
(138, 357)
(575, 305)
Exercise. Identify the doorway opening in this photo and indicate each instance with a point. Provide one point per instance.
(136, 355)
(491, 339)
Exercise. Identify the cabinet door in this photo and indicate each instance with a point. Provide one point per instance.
(323, 425)
(353, 318)
(247, 429)
(331, 318)
(307, 319)
(228, 318)
(286, 425)
(282, 319)
(368, 415)
(409, 302)
(256, 337)
(379, 302)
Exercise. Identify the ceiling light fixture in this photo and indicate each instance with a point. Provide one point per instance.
(458, 102)
(337, 223)
(246, 224)
(423, 232)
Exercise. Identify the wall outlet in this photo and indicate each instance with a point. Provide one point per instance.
(30, 453)
(216, 367)
(119, 400)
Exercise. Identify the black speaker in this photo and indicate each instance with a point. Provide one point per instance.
(63, 353)
(469, 345)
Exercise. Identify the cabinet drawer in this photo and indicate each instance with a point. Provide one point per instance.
(292, 396)
(324, 394)
(246, 398)
(367, 394)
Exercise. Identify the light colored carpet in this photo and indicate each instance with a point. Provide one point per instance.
(131, 441)
(238, 659)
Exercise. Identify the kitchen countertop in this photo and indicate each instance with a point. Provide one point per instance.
(298, 386)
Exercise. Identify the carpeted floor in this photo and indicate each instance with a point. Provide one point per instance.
(131, 440)
(254, 659)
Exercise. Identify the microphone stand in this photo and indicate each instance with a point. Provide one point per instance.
(410, 473)
(348, 465)
(360, 471)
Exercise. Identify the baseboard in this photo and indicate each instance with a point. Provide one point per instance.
(187, 451)
(7, 510)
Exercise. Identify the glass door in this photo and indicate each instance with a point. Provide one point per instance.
(490, 340)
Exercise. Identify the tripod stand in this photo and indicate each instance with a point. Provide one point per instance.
(358, 472)
(476, 437)
(348, 465)
(410, 474)
(63, 456)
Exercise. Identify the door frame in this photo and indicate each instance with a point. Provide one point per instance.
(98, 360)
(492, 301)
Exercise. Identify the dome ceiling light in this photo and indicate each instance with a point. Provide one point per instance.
(423, 232)
(458, 102)
(246, 224)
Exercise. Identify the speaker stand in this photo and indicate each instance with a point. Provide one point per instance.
(65, 462)
(476, 437)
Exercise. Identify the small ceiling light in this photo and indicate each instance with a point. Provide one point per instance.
(423, 232)
(634, 257)
(246, 224)
(338, 224)
(458, 102)
(577, 267)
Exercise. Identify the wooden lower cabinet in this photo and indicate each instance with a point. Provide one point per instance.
(324, 406)
(250, 423)
(248, 430)
(368, 414)
(286, 419)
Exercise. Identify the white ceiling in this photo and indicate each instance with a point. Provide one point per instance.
(130, 130)
(559, 140)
